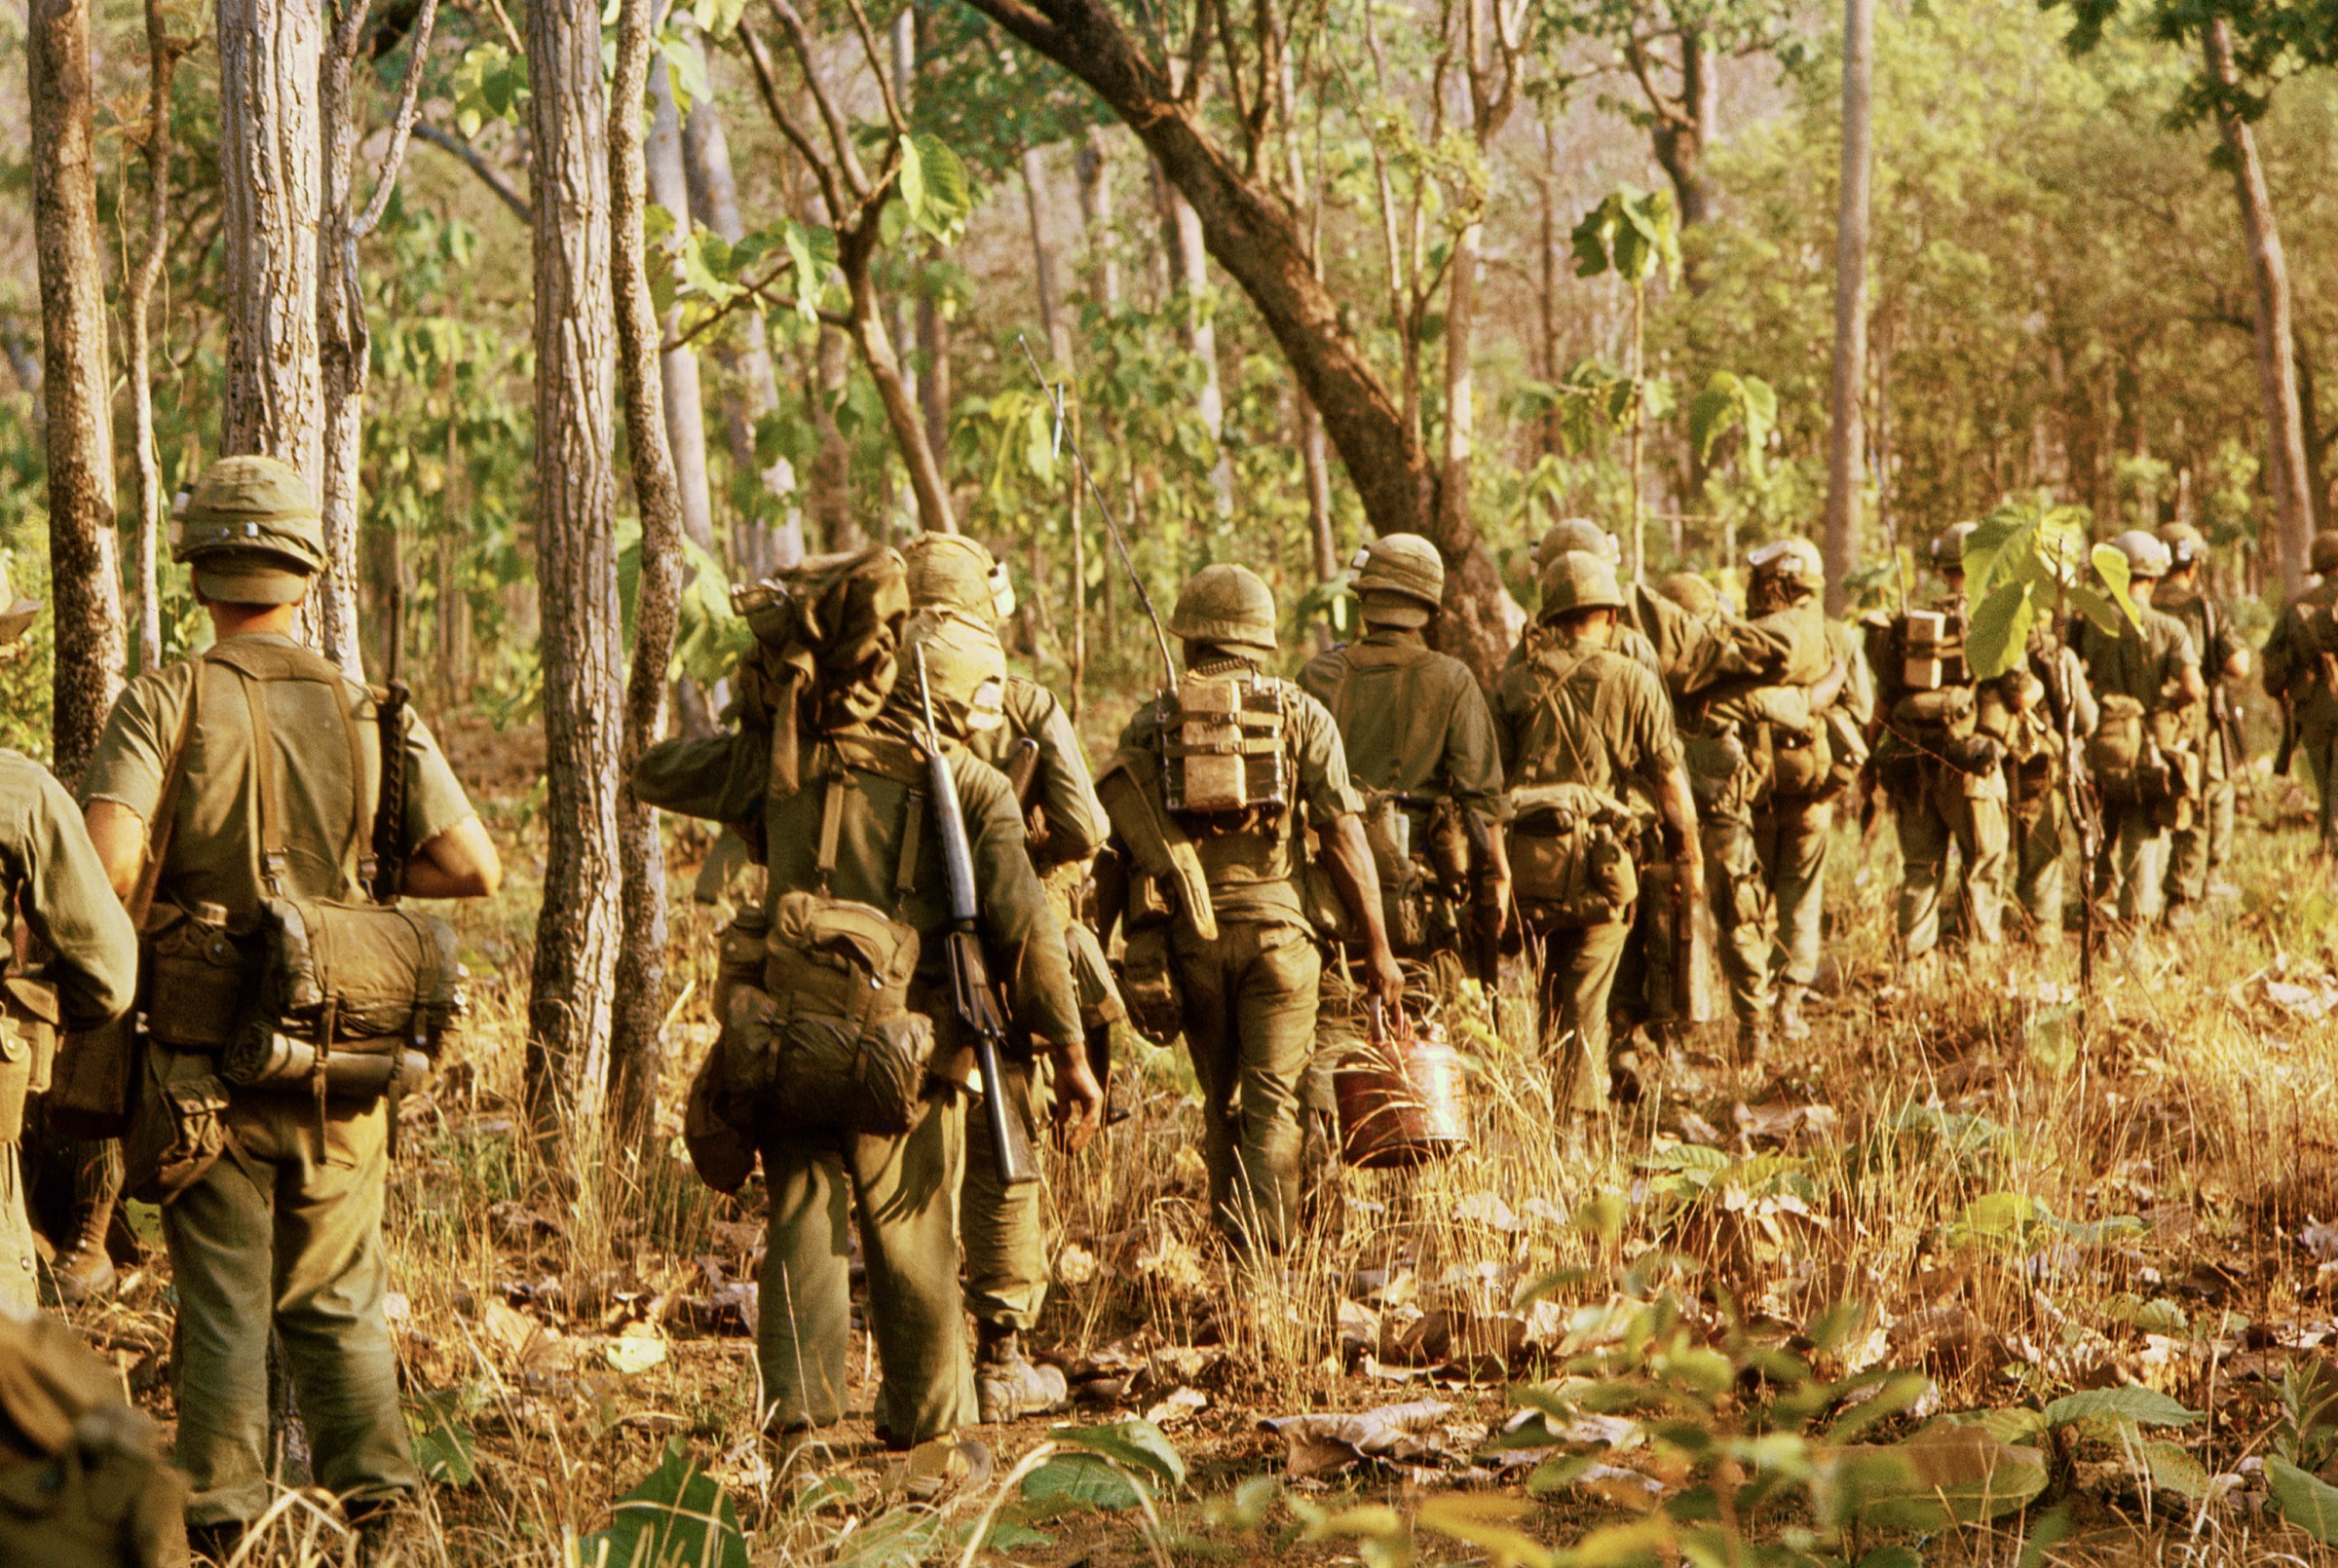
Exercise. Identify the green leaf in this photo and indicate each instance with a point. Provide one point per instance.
(1946, 1474)
(2146, 1407)
(2306, 1500)
(1490, 1524)
(444, 1449)
(677, 1515)
(2111, 566)
(2174, 1468)
(1135, 1444)
(1082, 1482)
(1999, 631)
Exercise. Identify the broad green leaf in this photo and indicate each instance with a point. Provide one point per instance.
(1899, 1392)
(1999, 631)
(444, 1449)
(2306, 1500)
(2174, 1468)
(1137, 1445)
(2111, 566)
(1946, 1474)
(1083, 1481)
(1558, 1475)
(717, 18)
(2146, 1407)
(677, 1515)
(1490, 1524)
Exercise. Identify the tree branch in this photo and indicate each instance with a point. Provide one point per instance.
(768, 87)
(409, 104)
(840, 133)
(489, 176)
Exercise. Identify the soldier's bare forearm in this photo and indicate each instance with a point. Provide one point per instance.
(1357, 881)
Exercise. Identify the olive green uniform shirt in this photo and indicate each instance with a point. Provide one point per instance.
(1549, 738)
(215, 850)
(1412, 721)
(1061, 787)
(1254, 871)
(2293, 665)
(50, 875)
(2137, 663)
(722, 778)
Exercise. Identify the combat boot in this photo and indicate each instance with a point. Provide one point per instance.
(82, 1271)
(1791, 1025)
(1008, 1386)
(1752, 1042)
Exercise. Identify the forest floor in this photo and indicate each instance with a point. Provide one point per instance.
(1966, 1201)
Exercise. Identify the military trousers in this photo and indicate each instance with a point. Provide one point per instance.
(2135, 845)
(1790, 839)
(1951, 812)
(1744, 910)
(19, 1284)
(2318, 744)
(1248, 999)
(2041, 843)
(284, 1230)
(2198, 848)
(1575, 976)
(903, 1192)
(1004, 1229)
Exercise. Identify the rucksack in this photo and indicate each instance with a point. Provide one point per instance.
(826, 649)
(1571, 854)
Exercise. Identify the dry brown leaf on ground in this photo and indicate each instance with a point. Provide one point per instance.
(1325, 1444)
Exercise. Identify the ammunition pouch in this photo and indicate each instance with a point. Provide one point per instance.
(1571, 855)
(2130, 768)
(1801, 766)
(1149, 983)
(175, 1136)
(198, 979)
(28, 1019)
(1163, 851)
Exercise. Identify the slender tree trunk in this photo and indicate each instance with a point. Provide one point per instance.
(856, 260)
(1461, 380)
(1190, 275)
(85, 580)
(1547, 294)
(2317, 440)
(685, 411)
(2277, 367)
(1681, 138)
(934, 387)
(1847, 433)
(146, 465)
(636, 1048)
(570, 997)
(752, 390)
(832, 467)
(1094, 165)
(1051, 299)
(270, 157)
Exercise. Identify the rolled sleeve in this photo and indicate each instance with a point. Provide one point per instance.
(134, 749)
(434, 799)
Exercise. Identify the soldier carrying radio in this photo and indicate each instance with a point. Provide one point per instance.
(2200, 850)
(232, 800)
(1578, 721)
(1213, 786)
(2300, 673)
(2146, 679)
(1028, 738)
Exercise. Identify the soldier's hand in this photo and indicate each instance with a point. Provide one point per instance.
(1383, 978)
(1078, 1097)
(1494, 905)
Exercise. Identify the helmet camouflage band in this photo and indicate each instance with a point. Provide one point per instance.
(1578, 580)
(954, 572)
(1577, 534)
(1790, 563)
(1948, 550)
(966, 669)
(2322, 556)
(250, 530)
(1227, 606)
(2146, 557)
(18, 613)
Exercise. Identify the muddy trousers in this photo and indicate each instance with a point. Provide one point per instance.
(2136, 843)
(1576, 973)
(284, 1230)
(1248, 999)
(903, 1193)
(1944, 815)
(1791, 839)
(1004, 1229)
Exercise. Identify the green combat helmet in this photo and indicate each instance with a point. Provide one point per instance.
(1947, 550)
(1577, 534)
(1691, 592)
(1226, 606)
(1577, 580)
(966, 669)
(952, 572)
(2186, 546)
(2147, 559)
(20, 613)
(2322, 556)
(1400, 578)
(249, 529)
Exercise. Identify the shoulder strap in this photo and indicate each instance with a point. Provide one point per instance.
(257, 677)
(166, 811)
(832, 819)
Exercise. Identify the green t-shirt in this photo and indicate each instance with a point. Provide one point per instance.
(1412, 720)
(48, 870)
(1574, 714)
(325, 789)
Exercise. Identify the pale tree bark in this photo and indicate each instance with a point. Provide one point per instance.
(2285, 466)
(161, 66)
(570, 999)
(270, 166)
(636, 1050)
(1189, 287)
(832, 464)
(685, 408)
(343, 339)
(1094, 165)
(751, 387)
(1051, 300)
(1847, 433)
(85, 580)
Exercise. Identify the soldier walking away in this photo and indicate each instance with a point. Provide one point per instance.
(2300, 673)
(228, 788)
(1939, 751)
(2146, 679)
(2200, 850)
(53, 882)
(1578, 721)
(1737, 730)
(1211, 795)
(844, 1064)
(1029, 739)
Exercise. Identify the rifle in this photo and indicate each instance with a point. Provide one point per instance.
(2225, 723)
(1055, 400)
(390, 803)
(1022, 772)
(970, 991)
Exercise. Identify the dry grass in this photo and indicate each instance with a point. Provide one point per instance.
(2164, 1146)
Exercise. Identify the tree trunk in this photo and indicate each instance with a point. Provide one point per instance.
(685, 411)
(1847, 434)
(1094, 165)
(1680, 139)
(2275, 331)
(162, 64)
(1189, 280)
(1043, 260)
(343, 350)
(934, 387)
(1461, 380)
(85, 580)
(270, 152)
(2318, 438)
(856, 256)
(570, 996)
(636, 1048)
(832, 466)
(752, 390)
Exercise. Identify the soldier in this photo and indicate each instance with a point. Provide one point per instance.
(1577, 713)
(2145, 678)
(1939, 747)
(83, 1480)
(2201, 848)
(1002, 1228)
(1418, 735)
(51, 879)
(850, 844)
(252, 768)
(2300, 673)
(1210, 886)
(1741, 726)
